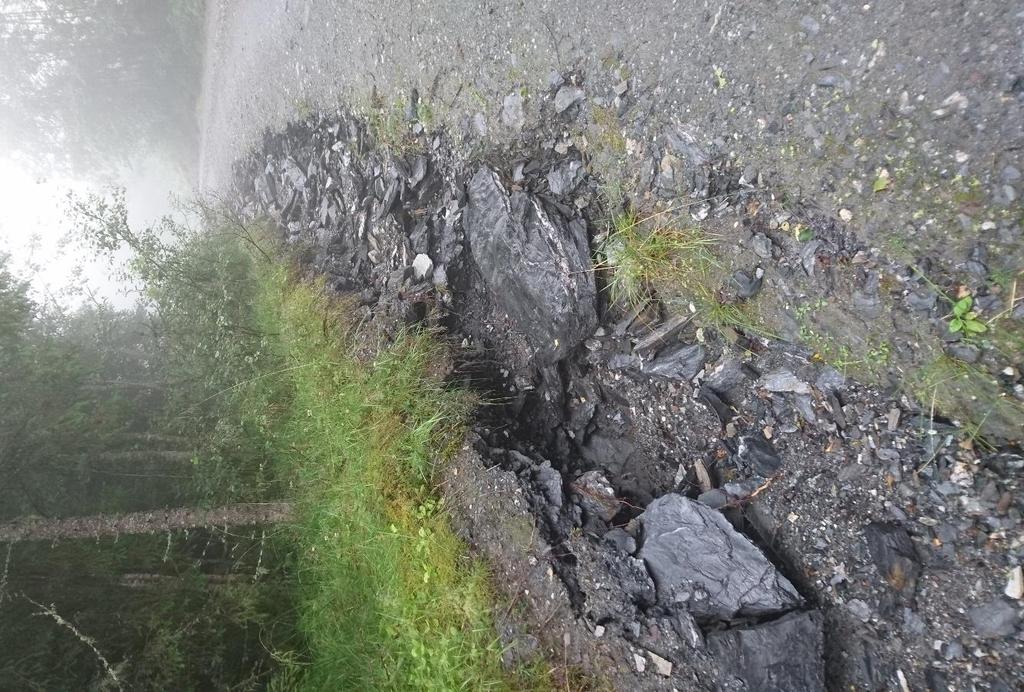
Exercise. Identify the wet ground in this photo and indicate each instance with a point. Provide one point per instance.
(860, 166)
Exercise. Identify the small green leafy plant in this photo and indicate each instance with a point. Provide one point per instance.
(964, 319)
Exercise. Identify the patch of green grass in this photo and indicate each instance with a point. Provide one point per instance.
(644, 255)
(648, 257)
(608, 131)
(391, 130)
(727, 318)
(608, 150)
(954, 388)
(387, 597)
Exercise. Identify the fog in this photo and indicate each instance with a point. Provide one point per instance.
(93, 95)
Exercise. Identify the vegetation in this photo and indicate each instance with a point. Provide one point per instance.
(949, 386)
(965, 320)
(387, 598)
(645, 254)
(239, 383)
(652, 256)
(391, 127)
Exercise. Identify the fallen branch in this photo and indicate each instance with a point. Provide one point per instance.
(88, 641)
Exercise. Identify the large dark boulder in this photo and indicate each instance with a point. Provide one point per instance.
(785, 655)
(699, 561)
(536, 265)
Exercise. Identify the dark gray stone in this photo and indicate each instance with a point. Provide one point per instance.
(622, 541)
(716, 498)
(596, 495)
(536, 266)
(747, 285)
(922, 300)
(564, 178)
(830, 380)
(762, 246)
(686, 627)
(607, 451)
(549, 482)
(785, 655)
(756, 453)
(895, 557)
(681, 363)
(809, 256)
(624, 361)
(567, 96)
(726, 376)
(698, 560)
(994, 619)
(724, 412)
(968, 353)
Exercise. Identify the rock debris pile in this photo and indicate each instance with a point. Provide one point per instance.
(700, 516)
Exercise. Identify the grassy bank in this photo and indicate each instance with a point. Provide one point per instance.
(386, 595)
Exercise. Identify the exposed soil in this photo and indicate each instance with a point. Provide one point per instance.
(889, 529)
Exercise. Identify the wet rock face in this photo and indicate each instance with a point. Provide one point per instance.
(535, 264)
(700, 561)
(780, 656)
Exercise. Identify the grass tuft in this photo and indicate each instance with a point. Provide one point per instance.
(728, 318)
(648, 256)
(392, 130)
(644, 255)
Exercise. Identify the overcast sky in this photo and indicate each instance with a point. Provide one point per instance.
(33, 223)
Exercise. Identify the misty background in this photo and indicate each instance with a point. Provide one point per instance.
(94, 95)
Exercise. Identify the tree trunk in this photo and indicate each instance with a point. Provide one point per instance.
(168, 441)
(171, 456)
(170, 581)
(157, 521)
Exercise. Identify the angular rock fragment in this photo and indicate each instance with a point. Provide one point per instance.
(596, 495)
(564, 178)
(682, 363)
(512, 111)
(727, 378)
(663, 334)
(536, 265)
(698, 560)
(994, 619)
(724, 412)
(895, 557)
(785, 381)
(1015, 583)
(662, 666)
(747, 286)
(566, 97)
(785, 655)
(757, 454)
(622, 541)
(688, 630)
